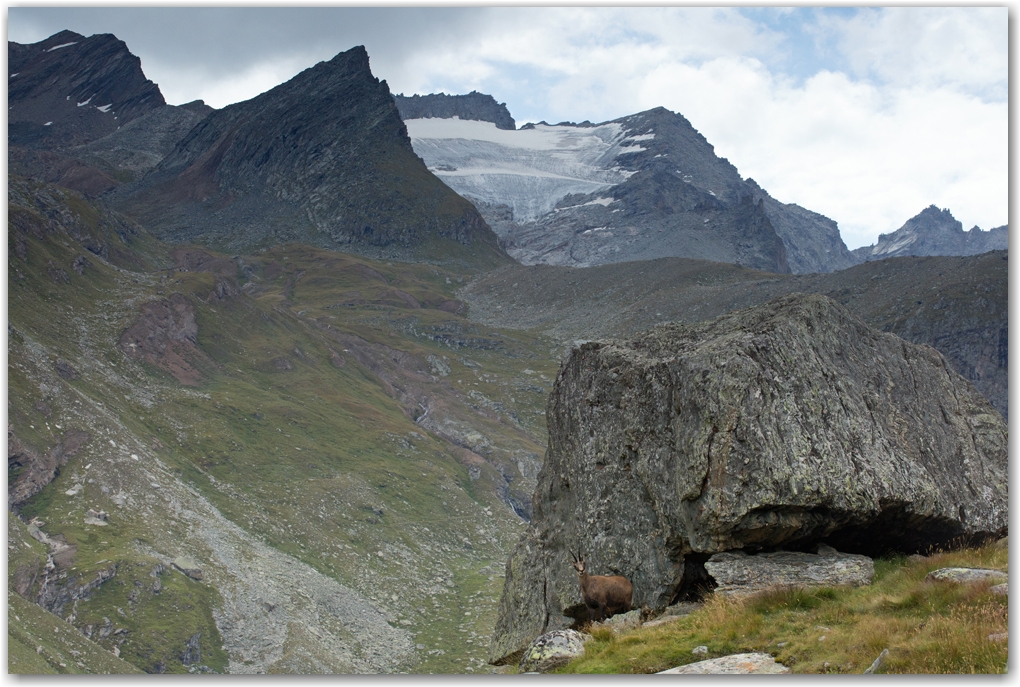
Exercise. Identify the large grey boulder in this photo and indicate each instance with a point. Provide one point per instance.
(780, 426)
(738, 574)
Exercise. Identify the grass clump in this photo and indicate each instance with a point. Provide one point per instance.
(928, 627)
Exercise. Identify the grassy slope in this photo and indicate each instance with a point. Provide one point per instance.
(927, 627)
(322, 461)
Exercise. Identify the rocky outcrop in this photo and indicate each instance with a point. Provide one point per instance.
(780, 426)
(966, 575)
(736, 573)
(735, 664)
(473, 106)
(934, 232)
(69, 90)
(322, 159)
(165, 335)
(29, 470)
(552, 650)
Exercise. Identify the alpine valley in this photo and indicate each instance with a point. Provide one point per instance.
(278, 373)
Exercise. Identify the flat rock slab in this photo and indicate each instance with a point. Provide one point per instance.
(737, 573)
(552, 650)
(189, 566)
(967, 575)
(735, 664)
(624, 621)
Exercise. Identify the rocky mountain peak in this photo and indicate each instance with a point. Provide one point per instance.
(934, 231)
(323, 158)
(70, 89)
(638, 187)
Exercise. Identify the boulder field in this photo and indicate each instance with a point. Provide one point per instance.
(779, 427)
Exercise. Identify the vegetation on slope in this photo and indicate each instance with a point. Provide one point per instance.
(338, 410)
(928, 627)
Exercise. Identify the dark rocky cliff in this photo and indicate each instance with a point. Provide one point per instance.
(476, 106)
(322, 159)
(784, 425)
(69, 90)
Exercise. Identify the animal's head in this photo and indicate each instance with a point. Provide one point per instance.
(578, 562)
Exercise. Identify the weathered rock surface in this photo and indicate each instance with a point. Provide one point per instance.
(552, 650)
(966, 575)
(736, 664)
(737, 573)
(1000, 589)
(323, 159)
(775, 427)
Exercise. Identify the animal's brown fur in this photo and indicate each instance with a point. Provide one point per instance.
(604, 595)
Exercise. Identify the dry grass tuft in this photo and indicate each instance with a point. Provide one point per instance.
(928, 627)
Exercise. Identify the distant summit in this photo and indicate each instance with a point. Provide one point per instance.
(640, 187)
(473, 106)
(70, 90)
(934, 232)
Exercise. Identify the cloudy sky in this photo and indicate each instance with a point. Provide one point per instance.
(865, 115)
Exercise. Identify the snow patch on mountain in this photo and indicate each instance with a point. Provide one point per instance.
(529, 170)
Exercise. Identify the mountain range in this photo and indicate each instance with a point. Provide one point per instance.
(277, 383)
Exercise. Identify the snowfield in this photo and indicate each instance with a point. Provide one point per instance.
(529, 170)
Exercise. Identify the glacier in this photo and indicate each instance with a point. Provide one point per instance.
(529, 170)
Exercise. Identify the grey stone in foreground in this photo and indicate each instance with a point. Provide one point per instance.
(966, 575)
(625, 621)
(737, 573)
(736, 664)
(877, 663)
(776, 427)
(1000, 589)
(552, 650)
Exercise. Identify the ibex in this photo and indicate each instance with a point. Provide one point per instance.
(604, 595)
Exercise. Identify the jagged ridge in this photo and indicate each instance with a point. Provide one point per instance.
(322, 159)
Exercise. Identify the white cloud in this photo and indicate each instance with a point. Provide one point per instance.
(964, 48)
(180, 85)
